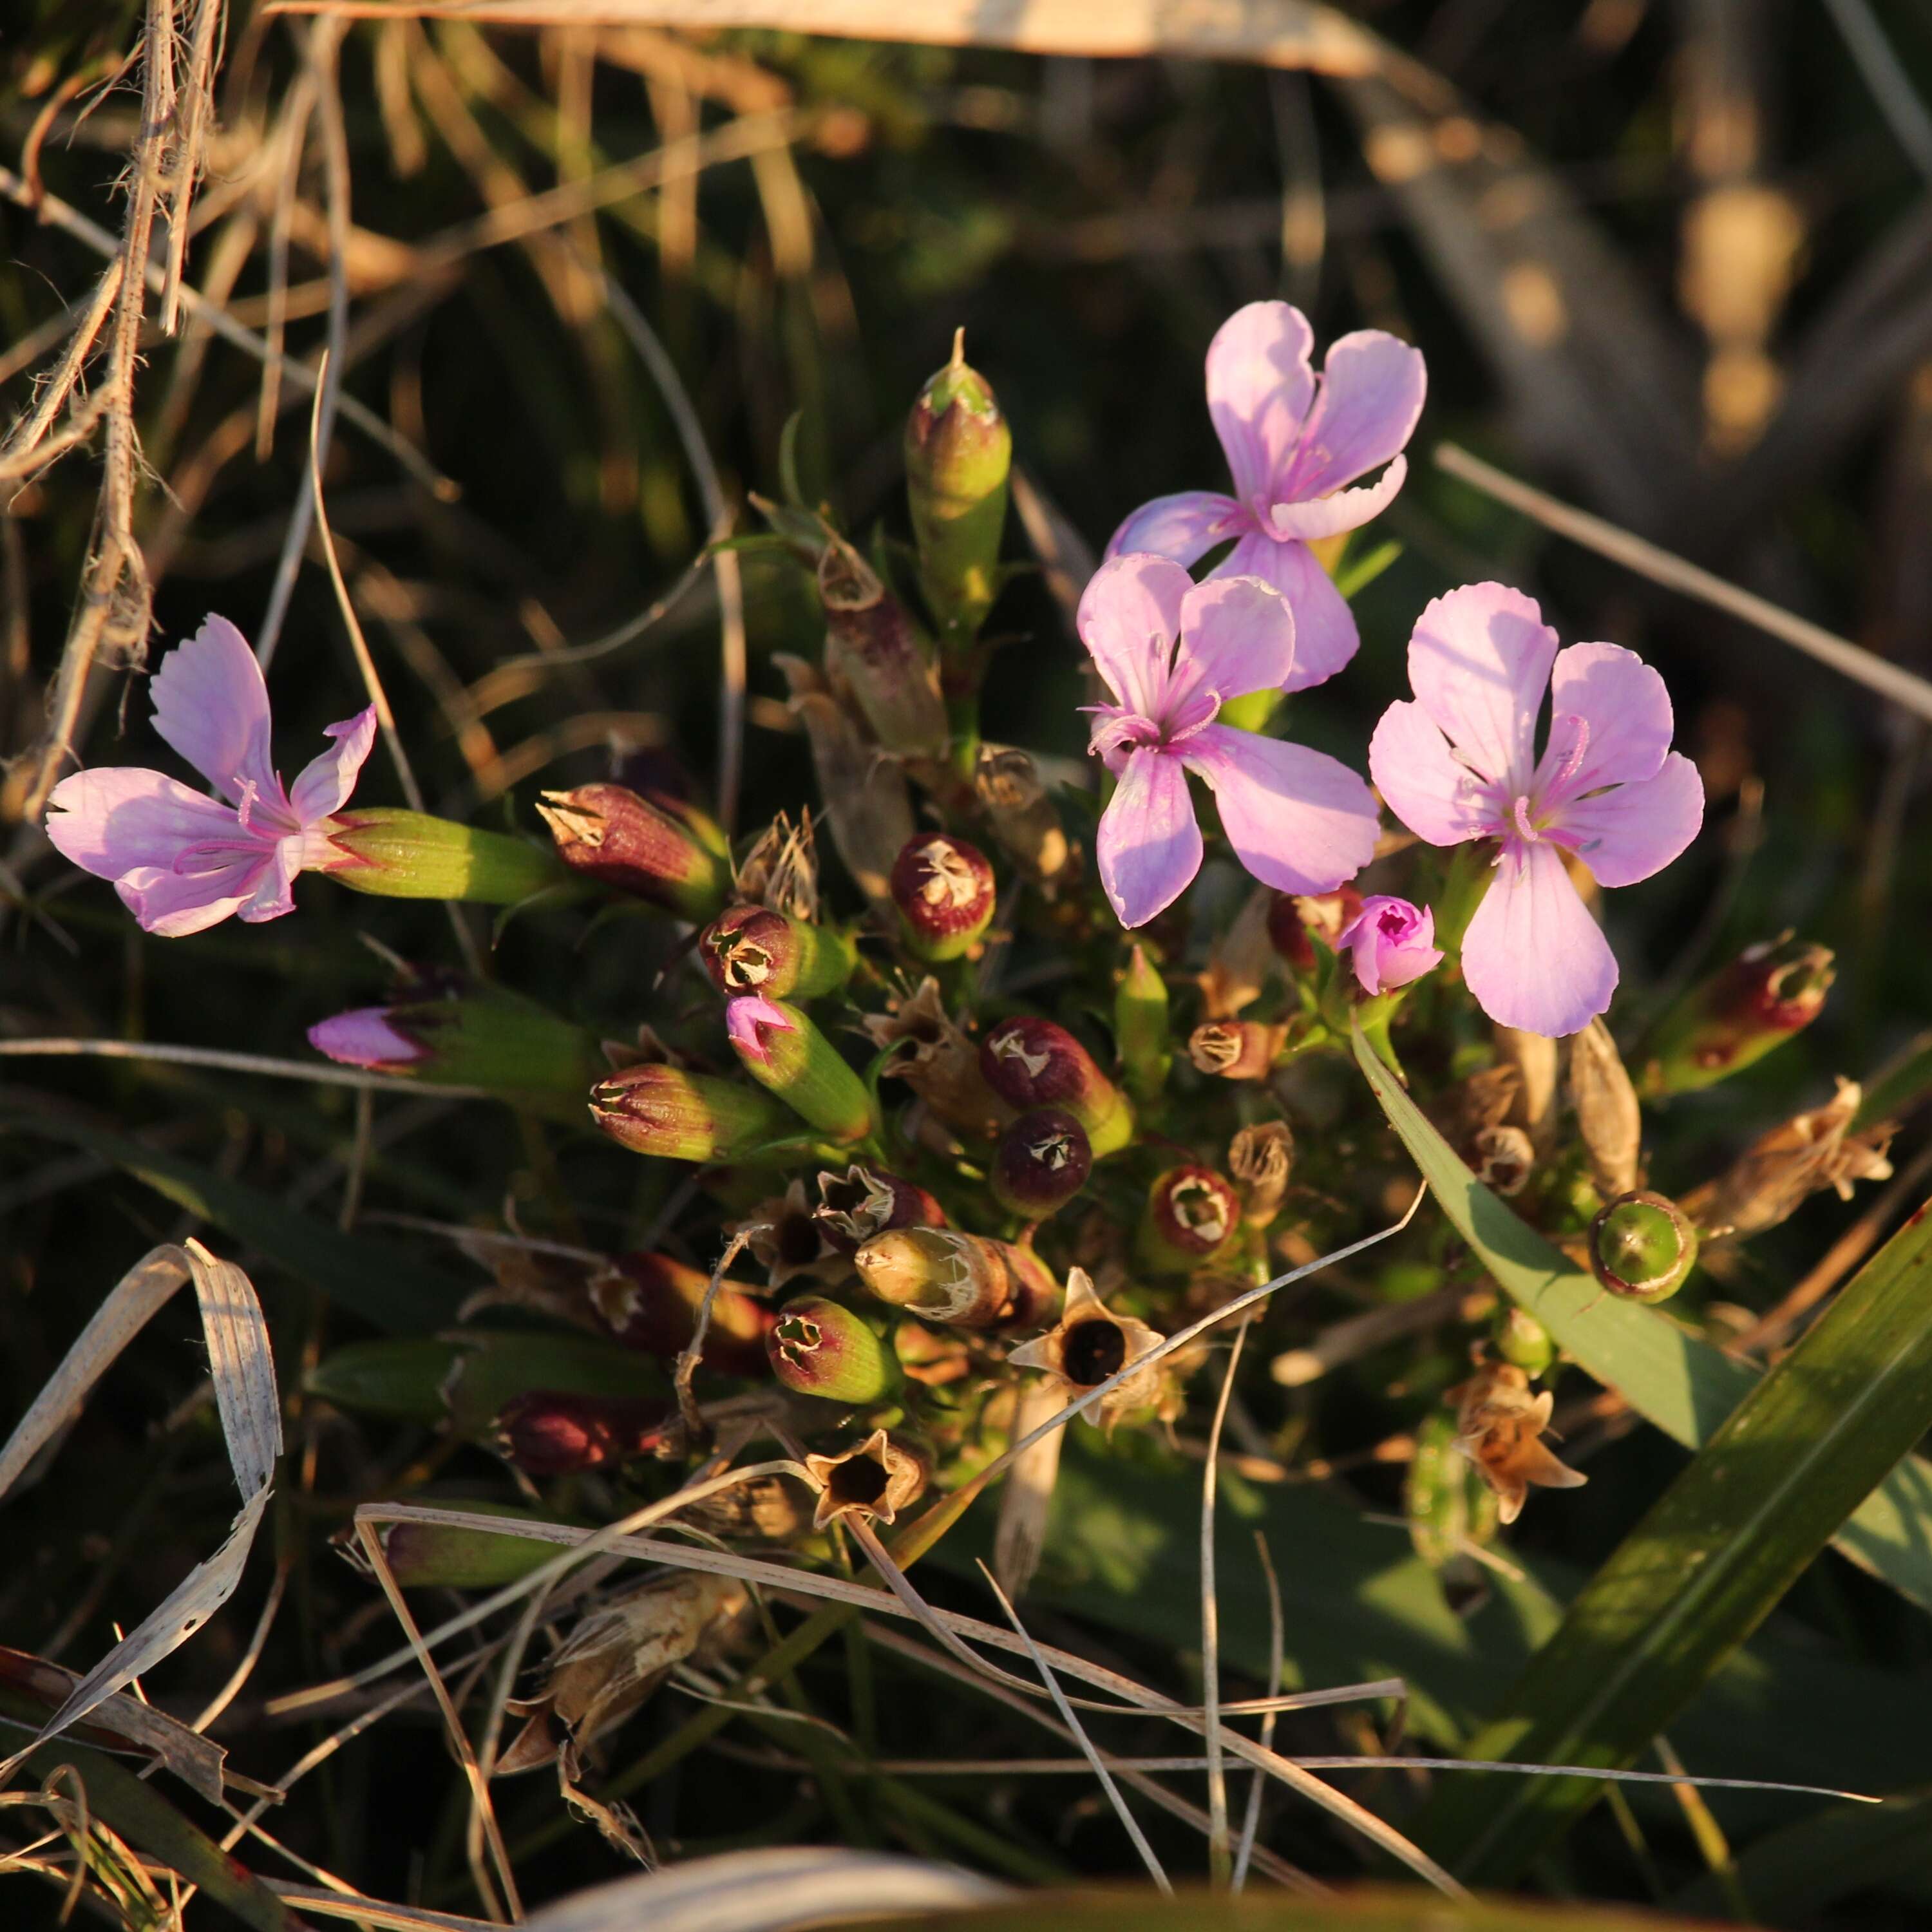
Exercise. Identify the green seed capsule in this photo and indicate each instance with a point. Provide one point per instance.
(1643, 1246)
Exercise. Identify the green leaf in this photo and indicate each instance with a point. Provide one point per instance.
(383, 1285)
(1672, 1377)
(1709, 1561)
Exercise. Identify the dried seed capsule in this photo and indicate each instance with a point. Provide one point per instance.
(1261, 1159)
(941, 1275)
(1088, 1345)
(678, 1116)
(1608, 1116)
(864, 1201)
(944, 890)
(1499, 1427)
(1769, 992)
(558, 1432)
(1292, 918)
(871, 1481)
(1024, 819)
(818, 1347)
(1236, 1049)
(1503, 1159)
(1190, 1214)
(925, 1049)
(1140, 1028)
(748, 950)
(782, 1049)
(408, 855)
(959, 451)
(1041, 1163)
(1034, 1063)
(1642, 1247)
(660, 849)
(650, 1302)
(871, 649)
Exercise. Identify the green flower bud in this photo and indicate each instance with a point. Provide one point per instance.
(1041, 1163)
(944, 890)
(959, 451)
(748, 950)
(1035, 1063)
(408, 855)
(1643, 1246)
(818, 1347)
(1140, 1028)
(1523, 1342)
(679, 1116)
(872, 650)
(658, 848)
(1769, 992)
(780, 1048)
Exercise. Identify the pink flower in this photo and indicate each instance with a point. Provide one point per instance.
(366, 1037)
(749, 1019)
(1459, 762)
(1390, 943)
(1171, 650)
(1294, 442)
(180, 860)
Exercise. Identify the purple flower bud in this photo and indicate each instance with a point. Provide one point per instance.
(678, 1116)
(661, 849)
(1034, 1063)
(944, 890)
(1390, 943)
(818, 1347)
(864, 1201)
(558, 1432)
(1041, 1163)
(649, 1302)
(1191, 1213)
(780, 1048)
(748, 950)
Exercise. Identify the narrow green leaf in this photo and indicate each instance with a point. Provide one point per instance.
(382, 1284)
(1672, 1377)
(1711, 1560)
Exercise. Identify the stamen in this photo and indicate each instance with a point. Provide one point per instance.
(1519, 811)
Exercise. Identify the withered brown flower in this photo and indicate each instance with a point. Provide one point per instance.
(870, 1482)
(1499, 1427)
(1088, 1345)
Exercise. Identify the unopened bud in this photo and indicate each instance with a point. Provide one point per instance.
(1608, 1116)
(782, 1049)
(658, 849)
(1041, 1163)
(748, 950)
(408, 855)
(478, 1036)
(1236, 1049)
(959, 451)
(1035, 1063)
(941, 1275)
(864, 1201)
(872, 650)
(1642, 1247)
(1260, 1158)
(558, 1432)
(649, 1302)
(819, 1347)
(1191, 1213)
(944, 890)
(1140, 1028)
(679, 1116)
(1292, 919)
(1522, 1341)
(1769, 992)
(870, 1482)
(1025, 820)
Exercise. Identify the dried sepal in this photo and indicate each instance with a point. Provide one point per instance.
(1236, 1049)
(1261, 1158)
(863, 1201)
(1798, 1158)
(925, 1049)
(870, 1482)
(1499, 1427)
(787, 1239)
(1608, 1116)
(942, 1275)
(1090, 1343)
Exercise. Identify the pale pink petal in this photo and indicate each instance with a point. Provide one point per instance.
(211, 706)
(112, 819)
(1371, 390)
(1610, 721)
(1627, 833)
(274, 895)
(749, 1019)
(1259, 387)
(1344, 510)
(1479, 661)
(1237, 635)
(1390, 943)
(1148, 845)
(172, 905)
(1420, 780)
(364, 1038)
(1533, 956)
(1129, 617)
(326, 781)
(1185, 526)
(1325, 637)
(1299, 821)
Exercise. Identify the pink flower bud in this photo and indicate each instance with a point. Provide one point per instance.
(557, 1432)
(1042, 1163)
(659, 848)
(1390, 943)
(1033, 1062)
